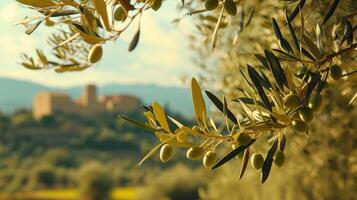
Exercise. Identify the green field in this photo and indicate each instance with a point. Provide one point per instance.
(126, 193)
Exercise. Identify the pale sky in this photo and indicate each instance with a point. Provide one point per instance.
(161, 57)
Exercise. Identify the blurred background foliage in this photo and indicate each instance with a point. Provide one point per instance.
(322, 165)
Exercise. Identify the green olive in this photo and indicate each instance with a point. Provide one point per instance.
(316, 103)
(257, 161)
(209, 159)
(156, 4)
(120, 14)
(95, 54)
(211, 4)
(230, 7)
(335, 72)
(243, 139)
(166, 152)
(291, 101)
(279, 158)
(306, 114)
(195, 153)
(300, 126)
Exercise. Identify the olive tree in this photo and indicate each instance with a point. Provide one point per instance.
(95, 183)
(293, 53)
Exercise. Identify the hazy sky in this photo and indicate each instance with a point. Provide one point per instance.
(161, 57)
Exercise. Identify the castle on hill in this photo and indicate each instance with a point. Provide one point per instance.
(89, 104)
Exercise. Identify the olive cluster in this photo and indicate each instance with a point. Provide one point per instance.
(305, 113)
(193, 153)
(257, 159)
(209, 157)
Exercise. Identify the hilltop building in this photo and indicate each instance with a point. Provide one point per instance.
(89, 104)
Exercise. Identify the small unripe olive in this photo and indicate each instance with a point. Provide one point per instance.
(195, 153)
(300, 126)
(120, 14)
(209, 159)
(316, 103)
(243, 139)
(291, 101)
(166, 152)
(211, 4)
(279, 158)
(306, 114)
(95, 54)
(156, 4)
(257, 161)
(230, 7)
(335, 72)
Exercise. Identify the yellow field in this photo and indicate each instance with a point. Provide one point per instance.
(126, 193)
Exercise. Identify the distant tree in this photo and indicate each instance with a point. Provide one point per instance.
(48, 120)
(21, 118)
(59, 157)
(43, 176)
(95, 182)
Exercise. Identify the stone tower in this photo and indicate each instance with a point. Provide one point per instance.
(89, 96)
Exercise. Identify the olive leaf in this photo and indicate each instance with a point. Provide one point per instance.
(137, 123)
(307, 54)
(312, 84)
(249, 101)
(312, 47)
(33, 27)
(134, 42)
(101, 8)
(157, 147)
(250, 17)
(160, 116)
(177, 123)
(245, 163)
(198, 101)
(245, 78)
(38, 4)
(262, 60)
(268, 161)
(292, 32)
(296, 10)
(220, 106)
(282, 143)
(282, 41)
(264, 80)
(59, 13)
(232, 154)
(277, 31)
(349, 33)
(276, 69)
(254, 77)
(330, 11)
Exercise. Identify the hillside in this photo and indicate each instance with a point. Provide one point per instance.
(18, 94)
